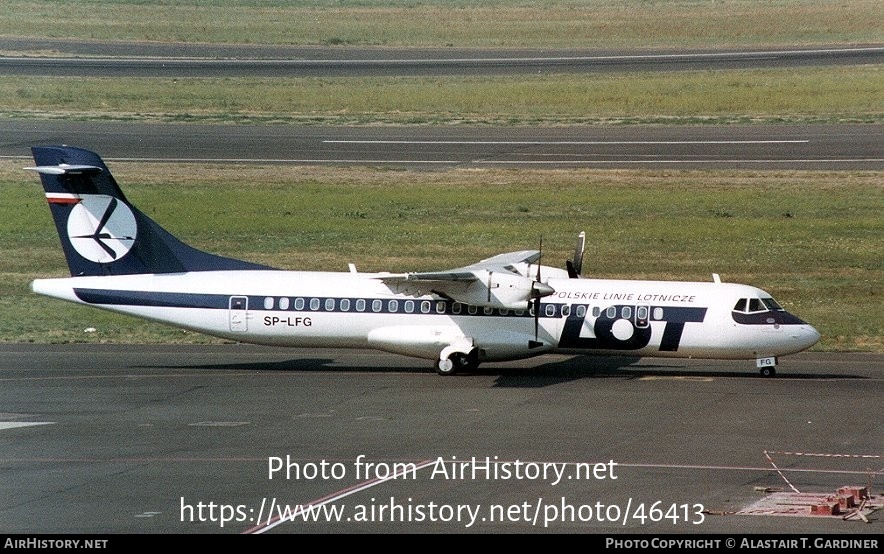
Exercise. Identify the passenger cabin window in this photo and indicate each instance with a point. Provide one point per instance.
(409, 306)
(345, 304)
(314, 304)
(360, 305)
(376, 305)
(284, 303)
(329, 304)
(299, 303)
(268, 303)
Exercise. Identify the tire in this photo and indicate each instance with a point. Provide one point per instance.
(458, 362)
(446, 367)
(768, 371)
(466, 362)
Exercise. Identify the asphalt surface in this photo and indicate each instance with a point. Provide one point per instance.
(806, 147)
(131, 439)
(838, 147)
(117, 59)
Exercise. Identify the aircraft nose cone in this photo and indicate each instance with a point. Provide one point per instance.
(808, 336)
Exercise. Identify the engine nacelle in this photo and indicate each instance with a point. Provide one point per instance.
(501, 289)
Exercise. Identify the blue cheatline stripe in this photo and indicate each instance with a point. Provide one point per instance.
(767, 318)
(256, 303)
(153, 299)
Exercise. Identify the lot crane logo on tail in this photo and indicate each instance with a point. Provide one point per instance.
(101, 229)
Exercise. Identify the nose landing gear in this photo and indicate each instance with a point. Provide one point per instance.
(767, 366)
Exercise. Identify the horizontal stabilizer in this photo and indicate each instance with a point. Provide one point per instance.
(65, 169)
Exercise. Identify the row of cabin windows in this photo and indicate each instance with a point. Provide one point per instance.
(377, 305)
(441, 307)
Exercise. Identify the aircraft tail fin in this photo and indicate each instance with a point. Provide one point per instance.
(101, 232)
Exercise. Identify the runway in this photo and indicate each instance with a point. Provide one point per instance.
(186, 60)
(766, 147)
(829, 147)
(182, 439)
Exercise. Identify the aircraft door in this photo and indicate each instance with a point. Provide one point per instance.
(239, 311)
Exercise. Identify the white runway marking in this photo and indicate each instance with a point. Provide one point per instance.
(563, 161)
(690, 56)
(564, 142)
(19, 424)
(273, 521)
(734, 161)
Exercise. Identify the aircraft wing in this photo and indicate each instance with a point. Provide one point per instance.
(495, 282)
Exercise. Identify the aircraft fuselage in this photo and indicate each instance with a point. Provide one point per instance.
(357, 310)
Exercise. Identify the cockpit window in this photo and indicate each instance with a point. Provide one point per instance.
(756, 305)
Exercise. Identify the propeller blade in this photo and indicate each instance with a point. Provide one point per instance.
(539, 258)
(538, 290)
(575, 266)
(536, 318)
(536, 342)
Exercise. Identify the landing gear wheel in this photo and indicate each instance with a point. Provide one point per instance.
(445, 367)
(457, 362)
(768, 371)
(465, 362)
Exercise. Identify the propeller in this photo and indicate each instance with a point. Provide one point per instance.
(575, 266)
(538, 291)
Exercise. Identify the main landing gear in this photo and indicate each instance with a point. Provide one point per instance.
(458, 362)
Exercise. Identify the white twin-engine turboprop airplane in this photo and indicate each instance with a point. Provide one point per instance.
(503, 308)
